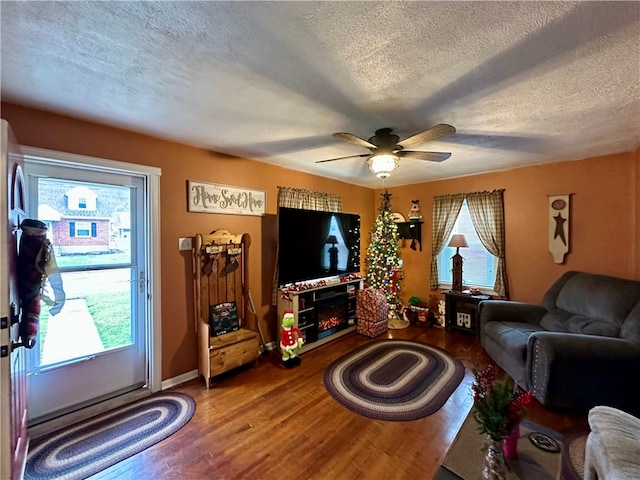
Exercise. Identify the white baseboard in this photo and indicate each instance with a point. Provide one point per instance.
(175, 381)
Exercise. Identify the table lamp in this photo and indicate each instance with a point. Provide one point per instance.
(457, 241)
(333, 253)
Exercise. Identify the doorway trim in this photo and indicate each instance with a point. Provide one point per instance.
(152, 184)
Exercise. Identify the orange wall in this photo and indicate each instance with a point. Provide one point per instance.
(604, 231)
(180, 163)
(604, 236)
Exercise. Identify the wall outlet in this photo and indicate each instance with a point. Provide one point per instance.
(185, 243)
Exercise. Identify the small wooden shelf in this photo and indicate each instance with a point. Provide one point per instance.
(410, 231)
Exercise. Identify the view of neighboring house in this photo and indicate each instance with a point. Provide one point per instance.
(83, 220)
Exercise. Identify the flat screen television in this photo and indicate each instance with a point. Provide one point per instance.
(314, 244)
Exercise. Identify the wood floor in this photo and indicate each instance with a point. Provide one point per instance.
(268, 422)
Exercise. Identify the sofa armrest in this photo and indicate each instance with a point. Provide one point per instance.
(506, 311)
(580, 371)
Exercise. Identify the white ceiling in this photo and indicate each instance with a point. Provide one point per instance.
(523, 82)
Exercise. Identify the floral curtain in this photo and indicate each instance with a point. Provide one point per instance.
(307, 200)
(445, 212)
(487, 214)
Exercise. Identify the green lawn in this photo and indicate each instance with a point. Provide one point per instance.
(75, 260)
(43, 324)
(111, 314)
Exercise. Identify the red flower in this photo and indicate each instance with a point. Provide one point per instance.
(498, 406)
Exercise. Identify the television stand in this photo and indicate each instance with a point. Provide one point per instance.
(322, 313)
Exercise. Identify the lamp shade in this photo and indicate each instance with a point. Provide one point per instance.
(332, 239)
(383, 164)
(458, 240)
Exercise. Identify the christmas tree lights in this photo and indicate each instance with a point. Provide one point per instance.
(383, 254)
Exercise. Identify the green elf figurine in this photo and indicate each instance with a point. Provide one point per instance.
(290, 340)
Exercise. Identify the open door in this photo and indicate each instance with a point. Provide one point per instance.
(13, 383)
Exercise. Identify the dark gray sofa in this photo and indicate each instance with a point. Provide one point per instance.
(579, 348)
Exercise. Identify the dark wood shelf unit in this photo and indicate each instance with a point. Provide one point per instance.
(461, 311)
(410, 231)
(305, 305)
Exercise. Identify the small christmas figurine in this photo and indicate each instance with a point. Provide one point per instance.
(441, 313)
(414, 213)
(290, 340)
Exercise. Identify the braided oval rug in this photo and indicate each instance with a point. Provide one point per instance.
(394, 380)
(85, 448)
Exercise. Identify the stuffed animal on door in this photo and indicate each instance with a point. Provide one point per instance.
(290, 340)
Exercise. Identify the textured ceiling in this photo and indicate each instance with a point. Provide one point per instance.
(523, 82)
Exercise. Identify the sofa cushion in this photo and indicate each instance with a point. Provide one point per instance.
(599, 296)
(631, 327)
(567, 322)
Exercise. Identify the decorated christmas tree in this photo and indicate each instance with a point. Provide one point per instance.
(383, 255)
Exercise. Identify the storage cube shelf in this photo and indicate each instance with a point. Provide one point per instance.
(461, 311)
(323, 313)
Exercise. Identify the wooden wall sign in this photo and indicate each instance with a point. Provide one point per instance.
(558, 226)
(215, 198)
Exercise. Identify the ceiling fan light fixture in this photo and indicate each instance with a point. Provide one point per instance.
(383, 164)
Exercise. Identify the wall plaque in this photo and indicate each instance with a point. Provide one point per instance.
(559, 226)
(214, 198)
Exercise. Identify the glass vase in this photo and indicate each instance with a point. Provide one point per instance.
(510, 446)
(493, 467)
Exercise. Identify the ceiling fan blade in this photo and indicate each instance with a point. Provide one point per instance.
(350, 138)
(344, 158)
(430, 156)
(430, 134)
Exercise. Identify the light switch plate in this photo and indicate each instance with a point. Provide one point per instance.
(185, 243)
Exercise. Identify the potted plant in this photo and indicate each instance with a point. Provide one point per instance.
(498, 408)
(421, 308)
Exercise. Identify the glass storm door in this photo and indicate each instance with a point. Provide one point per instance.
(93, 346)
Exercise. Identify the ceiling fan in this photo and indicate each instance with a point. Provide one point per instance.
(385, 148)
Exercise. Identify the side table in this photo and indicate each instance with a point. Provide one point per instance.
(461, 311)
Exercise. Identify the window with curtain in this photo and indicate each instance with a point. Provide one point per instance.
(479, 267)
(485, 212)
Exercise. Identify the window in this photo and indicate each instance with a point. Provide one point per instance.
(82, 202)
(479, 266)
(83, 229)
(339, 248)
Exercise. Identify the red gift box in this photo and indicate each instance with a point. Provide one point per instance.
(371, 329)
(372, 305)
(372, 312)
